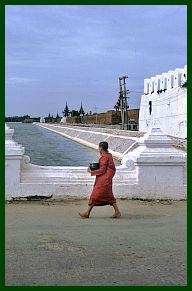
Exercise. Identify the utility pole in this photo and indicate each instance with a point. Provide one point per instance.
(95, 108)
(123, 102)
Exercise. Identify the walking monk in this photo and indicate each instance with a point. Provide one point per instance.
(102, 192)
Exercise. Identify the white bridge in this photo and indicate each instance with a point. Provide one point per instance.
(151, 168)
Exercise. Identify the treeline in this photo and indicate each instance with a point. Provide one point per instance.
(24, 118)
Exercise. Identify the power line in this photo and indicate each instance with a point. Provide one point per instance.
(158, 98)
(95, 108)
(165, 116)
(140, 92)
(162, 103)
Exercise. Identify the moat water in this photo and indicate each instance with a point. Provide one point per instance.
(47, 148)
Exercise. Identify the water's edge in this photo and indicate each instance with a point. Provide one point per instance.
(47, 148)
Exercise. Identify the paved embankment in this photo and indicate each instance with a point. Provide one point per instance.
(118, 144)
(119, 140)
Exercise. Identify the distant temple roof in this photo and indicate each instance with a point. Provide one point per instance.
(66, 110)
(81, 110)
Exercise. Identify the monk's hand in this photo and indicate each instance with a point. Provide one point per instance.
(88, 170)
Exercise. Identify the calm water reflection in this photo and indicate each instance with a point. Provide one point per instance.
(47, 148)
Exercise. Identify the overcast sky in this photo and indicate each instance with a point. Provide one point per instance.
(74, 53)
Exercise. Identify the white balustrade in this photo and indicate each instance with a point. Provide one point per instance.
(153, 169)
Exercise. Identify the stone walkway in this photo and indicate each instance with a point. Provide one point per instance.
(49, 245)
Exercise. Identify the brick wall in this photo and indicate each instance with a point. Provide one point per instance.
(134, 114)
(109, 117)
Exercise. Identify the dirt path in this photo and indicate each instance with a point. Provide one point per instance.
(49, 245)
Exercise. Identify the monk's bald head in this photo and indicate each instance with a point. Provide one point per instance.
(103, 146)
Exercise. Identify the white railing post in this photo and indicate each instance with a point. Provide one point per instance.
(13, 156)
(160, 167)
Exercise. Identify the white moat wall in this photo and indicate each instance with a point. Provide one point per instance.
(169, 103)
(152, 170)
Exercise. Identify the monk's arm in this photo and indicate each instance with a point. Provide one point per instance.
(103, 167)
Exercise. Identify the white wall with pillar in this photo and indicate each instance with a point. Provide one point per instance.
(168, 100)
(154, 169)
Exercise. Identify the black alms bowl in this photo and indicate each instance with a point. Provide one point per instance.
(94, 166)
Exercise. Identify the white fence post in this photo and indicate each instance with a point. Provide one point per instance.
(13, 155)
(160, 167)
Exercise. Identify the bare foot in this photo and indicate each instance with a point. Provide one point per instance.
(116, 215)
(84, 214)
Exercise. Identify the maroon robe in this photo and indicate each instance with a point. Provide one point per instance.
(102, 192)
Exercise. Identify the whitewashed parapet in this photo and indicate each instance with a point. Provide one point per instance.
(165, 81)
(164, 102)
(157, 83)
(153, 170)
(151, 85)
(170, 78)
(177, 78)
(13, 158)
(184, 75)
(146, 86)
